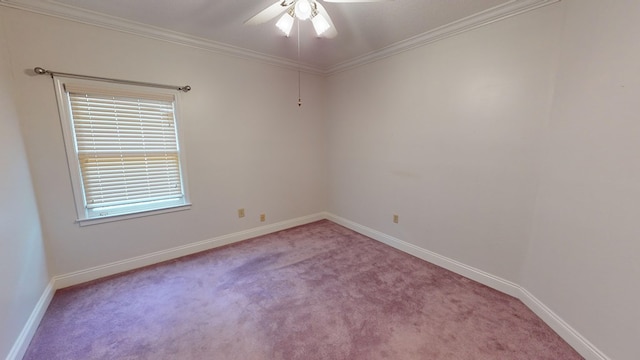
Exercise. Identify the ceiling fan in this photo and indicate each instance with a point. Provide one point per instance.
(302, 10)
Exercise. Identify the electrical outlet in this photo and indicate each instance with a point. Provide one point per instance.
(240, 213)
(395, 218)
(263, 217)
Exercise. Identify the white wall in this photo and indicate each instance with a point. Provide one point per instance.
(446, 136)
(512, 148)
(584, 258)
(248, 144)
(23, 268)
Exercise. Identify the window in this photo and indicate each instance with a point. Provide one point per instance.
(122, 148)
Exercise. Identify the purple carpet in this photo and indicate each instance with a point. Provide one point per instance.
(318, 291)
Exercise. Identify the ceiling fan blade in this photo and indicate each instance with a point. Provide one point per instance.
(354, 1)
(269, 13)
(331, 32)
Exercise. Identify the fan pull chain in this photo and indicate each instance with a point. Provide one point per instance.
(299, 96)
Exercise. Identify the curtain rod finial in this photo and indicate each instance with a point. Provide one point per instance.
(40, 71)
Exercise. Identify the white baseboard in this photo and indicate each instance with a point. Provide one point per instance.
(60, 281)
(116, 267)
(22, 342)
(470, 272)
(564, 330)
(569, 334)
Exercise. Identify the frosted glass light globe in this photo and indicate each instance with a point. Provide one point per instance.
(303, 9)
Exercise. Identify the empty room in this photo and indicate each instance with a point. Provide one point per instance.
(320, 179)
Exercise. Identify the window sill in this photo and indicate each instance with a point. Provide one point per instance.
(119, 217)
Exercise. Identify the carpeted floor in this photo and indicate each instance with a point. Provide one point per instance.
(318, 291)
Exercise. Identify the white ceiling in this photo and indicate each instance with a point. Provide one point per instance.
(366, 31)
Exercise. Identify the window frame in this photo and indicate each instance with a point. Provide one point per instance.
(84, 216)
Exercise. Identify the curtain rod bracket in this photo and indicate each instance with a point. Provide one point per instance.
(41, 71)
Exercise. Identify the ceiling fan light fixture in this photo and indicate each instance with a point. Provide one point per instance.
(320, 24)
(285, 23)
(303, 9)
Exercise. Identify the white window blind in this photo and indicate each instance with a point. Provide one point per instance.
(127, 150)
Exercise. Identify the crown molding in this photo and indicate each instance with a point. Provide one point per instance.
(500, 12)
(55, 9)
